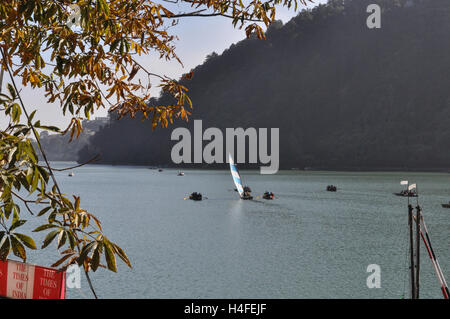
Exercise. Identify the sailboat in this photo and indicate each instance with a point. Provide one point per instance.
(237, 180)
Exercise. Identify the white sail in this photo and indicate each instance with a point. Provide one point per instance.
(236, 177)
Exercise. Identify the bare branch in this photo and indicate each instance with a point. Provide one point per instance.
(96, 158)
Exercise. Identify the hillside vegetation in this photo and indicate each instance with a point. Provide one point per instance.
(344, 96)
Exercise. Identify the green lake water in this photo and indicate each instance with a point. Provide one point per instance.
(307, 243)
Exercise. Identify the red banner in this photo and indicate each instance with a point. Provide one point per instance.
(25, 281)
(3, 276)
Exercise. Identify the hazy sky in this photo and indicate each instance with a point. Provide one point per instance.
(197, 38)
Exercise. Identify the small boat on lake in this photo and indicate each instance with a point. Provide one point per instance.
(268, 195)
(196, 196)
(446, 205)
(71, 174)
(407, 193)
(331, 188)
(160, 170)
(180, 174)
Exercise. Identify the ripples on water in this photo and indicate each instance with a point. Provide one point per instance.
(307, 243)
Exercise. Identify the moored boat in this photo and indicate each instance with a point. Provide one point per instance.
(406, 193)
(410, 191)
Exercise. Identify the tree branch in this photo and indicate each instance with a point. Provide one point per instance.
(94, 159)
(40, 148)
(198, 14)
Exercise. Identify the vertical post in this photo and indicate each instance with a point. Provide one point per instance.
(407, 192)
(418, 213)
(411, 249)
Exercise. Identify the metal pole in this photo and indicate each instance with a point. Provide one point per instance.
(437, 267)
(411, 249)
(407, 192)
(418, 213)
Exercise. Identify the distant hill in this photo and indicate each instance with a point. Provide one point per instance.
(344, 96)
(58, 148)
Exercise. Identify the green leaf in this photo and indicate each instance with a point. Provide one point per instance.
(18, 248)
(44, 227)
(77, 203)
(42, 212)
(49, 238)
(5, 248)
(30, 118)
(85, 251)
(12, 155)
(11, 90)
(26, 240)
(16, 224)
(16, 112)
(62, 238)
(43, 172)
(51, 128)
(110, 257)
(96, 258)
(122, 255)
(30, 175)
(60, 261)
(16, 213)
(52, 216)
(28, 149)
(35, 181)
(8, 209)
(71, 239)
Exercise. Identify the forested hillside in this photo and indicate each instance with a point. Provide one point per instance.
(344, 96)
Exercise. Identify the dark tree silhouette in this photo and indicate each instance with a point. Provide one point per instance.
(344, 96)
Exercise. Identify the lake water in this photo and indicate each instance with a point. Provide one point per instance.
(307, 243)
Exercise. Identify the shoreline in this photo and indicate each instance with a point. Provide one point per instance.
(309, 169)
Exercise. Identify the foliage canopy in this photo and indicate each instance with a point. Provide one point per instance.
(84, 67)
